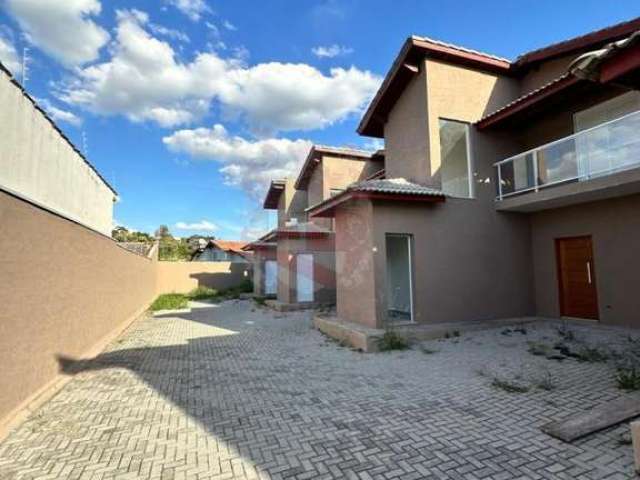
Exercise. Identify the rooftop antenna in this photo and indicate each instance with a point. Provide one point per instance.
(25, 66)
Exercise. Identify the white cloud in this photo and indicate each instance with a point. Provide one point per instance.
(144, 80)
(58, 114)
(331, 51)
(61, 28)
(194, 9)
(169, 33)
(9, 56)
(202, 225)
(229, 26)
(247, 164)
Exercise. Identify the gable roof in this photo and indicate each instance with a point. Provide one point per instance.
(235, 246)
(314, 157)
(407, 65)
(276, 188)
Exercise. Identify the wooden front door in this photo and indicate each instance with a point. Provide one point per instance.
(576, 277)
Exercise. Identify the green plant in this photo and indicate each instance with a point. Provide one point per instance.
(509, 386)
(170, 301)
(628, 378)
(591, 354)
(539, 349)
(566, 333)
(202, 293)
(428, 351)
(456, 333)
(392, 341)
(262, 301)
(545, 381)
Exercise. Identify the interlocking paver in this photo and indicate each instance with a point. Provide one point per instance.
(239, 392)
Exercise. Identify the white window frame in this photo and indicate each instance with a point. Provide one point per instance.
(470, 159)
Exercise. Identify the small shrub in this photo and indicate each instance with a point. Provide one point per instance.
(170, 301)
(203, 293)
(628, 378)
(590, 354)
(545, 381)
(392, 341)
(566, 333)
(456, 333)
(539, 349)
(509, 386)
(262, 301)
(427, 350)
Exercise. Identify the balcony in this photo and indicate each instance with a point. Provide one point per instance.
(589, 165)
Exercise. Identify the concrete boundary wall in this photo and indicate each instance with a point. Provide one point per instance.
(182, 277)
(67, 291)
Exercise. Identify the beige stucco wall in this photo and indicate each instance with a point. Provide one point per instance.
(182, 277)
(292, 204)
(261, 255)
(615, 229)
(323, 250)
(39, 164)
(406, 136)
(66, 290)
(355, 276)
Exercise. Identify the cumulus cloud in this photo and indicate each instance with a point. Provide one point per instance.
(331, 51)
(202, 225)
(59, 114)
(194, 9)
(248, 164)
(144, 80)
(63, 29)
(9, 56)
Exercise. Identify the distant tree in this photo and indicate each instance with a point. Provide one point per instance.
(173, 249)
(163, 232)
(120, 234)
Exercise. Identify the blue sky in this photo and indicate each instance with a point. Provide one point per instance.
(188, 107)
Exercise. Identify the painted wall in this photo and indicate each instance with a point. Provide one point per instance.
(182, 277)
(67, 291)
(292, 204)
(355, 275)
(39, 164)
(260, 255)
(406, 136)
(615, 229)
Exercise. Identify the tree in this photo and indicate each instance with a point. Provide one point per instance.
(120, 234)
(163, 232)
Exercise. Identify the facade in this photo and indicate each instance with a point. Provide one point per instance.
(221, 251)
(298, 256)
(40, 165)
(511, 188)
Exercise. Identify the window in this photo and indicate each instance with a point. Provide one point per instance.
(455, 165)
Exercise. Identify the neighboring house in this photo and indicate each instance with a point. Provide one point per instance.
(512, 187)
(303, 249)
(221, 251)
(41, 165)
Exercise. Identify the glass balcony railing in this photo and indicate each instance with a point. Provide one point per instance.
(604, 149)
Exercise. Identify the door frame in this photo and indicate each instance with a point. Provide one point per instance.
(592, 272)
(312, 277)
(266, 262)
(409, 239)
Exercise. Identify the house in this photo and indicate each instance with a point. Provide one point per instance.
(296, 261)
(511, 189)
(42, 166)
(221, 251)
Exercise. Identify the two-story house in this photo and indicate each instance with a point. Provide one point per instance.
(512, 187)
(295, 262)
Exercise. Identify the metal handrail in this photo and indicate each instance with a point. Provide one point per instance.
(534, 158)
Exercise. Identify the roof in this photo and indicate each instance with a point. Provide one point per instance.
(407, 65)
(273, 194)
(6, 71)
(139, 248)
(265, 241)
(229, 245)
(575, 44)
(378, 189)
(300, 230)
(555, 86)
(314, 157)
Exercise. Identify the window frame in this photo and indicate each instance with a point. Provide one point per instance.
(470, 158)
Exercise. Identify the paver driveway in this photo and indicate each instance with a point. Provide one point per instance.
(238, 392)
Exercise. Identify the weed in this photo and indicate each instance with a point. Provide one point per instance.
(392, 341)
(262, 301)
(170, 301)
(628, 378)
(509, 386)
(447, 335)
(545, 381)
(428, 351)
(539, 349)
(203, 293)
(566, 333)
(456, 333)
(591, 354)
